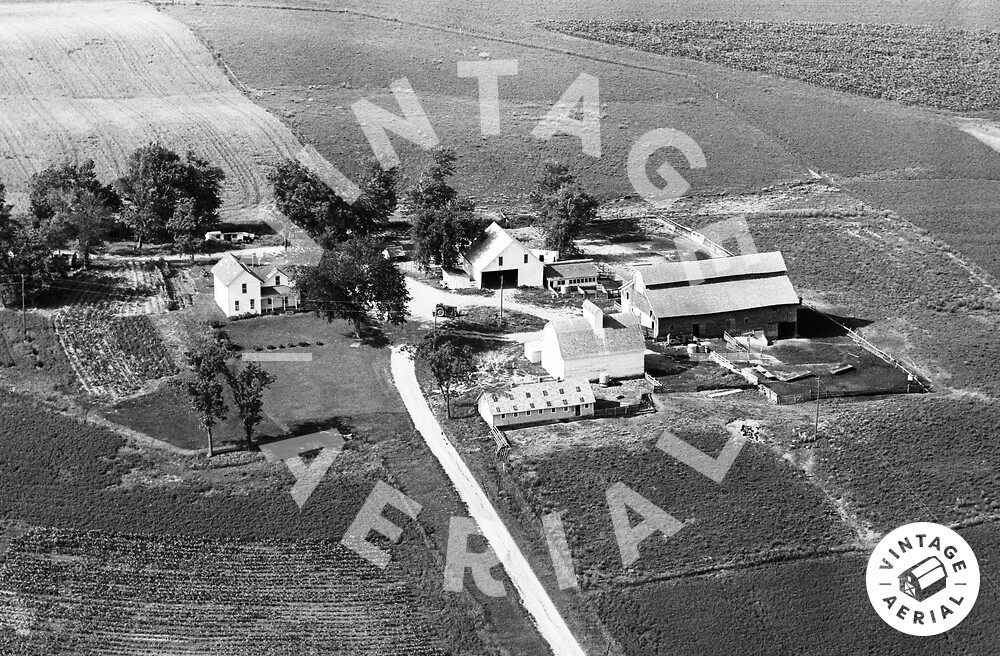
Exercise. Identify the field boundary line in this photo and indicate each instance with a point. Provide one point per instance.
(451, 30)
(762, 559)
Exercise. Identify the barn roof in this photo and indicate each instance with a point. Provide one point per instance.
(539, 396)
(229, 268)
(577, 339)
(717, 297)
(488, 246)
(572, 269)
(753, 264)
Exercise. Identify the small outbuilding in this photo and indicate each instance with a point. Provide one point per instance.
(567, 275)
(537, 403)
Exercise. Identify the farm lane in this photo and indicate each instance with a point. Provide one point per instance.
(425, 298)
(533, 595)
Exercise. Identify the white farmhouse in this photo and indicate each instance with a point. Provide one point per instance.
(242, 289)
(594, 344)
(497, 257)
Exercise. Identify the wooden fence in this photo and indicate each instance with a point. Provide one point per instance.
(874, 350)
(501, 443)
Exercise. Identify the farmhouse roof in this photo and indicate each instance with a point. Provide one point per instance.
(717, 297)
(266, 271)
(488, 246)
(539, 396)
(229, 268)
(578, 340)
(738, 266)
(572, 269)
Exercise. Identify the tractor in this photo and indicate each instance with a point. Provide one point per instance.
(447, 311)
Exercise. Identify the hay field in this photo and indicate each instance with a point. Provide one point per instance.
(98, 79)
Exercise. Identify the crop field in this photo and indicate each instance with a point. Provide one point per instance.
(310, 81)
(83, 592)
(745, 519)
(815, 606)
(56, 472)
(941, 68)
(97, 80)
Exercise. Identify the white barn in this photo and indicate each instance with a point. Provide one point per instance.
(242, 289)
(594, 344)
(497, 257)
(537, 402)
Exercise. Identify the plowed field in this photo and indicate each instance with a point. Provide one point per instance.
(97, 80)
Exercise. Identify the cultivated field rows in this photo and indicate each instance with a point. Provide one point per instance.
(135, 595)
(97, 80)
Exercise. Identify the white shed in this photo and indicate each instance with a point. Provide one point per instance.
(537, 402)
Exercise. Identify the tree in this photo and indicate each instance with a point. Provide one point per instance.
(25, 254)
(564, 208)
(248, 386)
(156, 180)
(441, 234)
(451, 363)
(209, 364)
(69, 203)
(314, 207)
(433, 190)
(188, 227)
(354, 282)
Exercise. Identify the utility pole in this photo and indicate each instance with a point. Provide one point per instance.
(24, 323)
(816, 429)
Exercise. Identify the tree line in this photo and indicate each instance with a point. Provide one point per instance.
(161, 196)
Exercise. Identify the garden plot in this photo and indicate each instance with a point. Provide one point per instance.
(109, 339)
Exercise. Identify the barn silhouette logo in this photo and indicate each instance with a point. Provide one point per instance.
(923, 579)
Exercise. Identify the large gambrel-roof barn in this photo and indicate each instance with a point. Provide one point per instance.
(706, 298)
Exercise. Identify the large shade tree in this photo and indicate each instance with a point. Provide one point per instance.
(564, 208)
(157, 180)
(355, 282)
(314, 207)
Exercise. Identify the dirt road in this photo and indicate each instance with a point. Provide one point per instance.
(533, 595)
(425, 298)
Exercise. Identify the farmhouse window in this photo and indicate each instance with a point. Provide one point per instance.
(503, 415)
(251, 303)
(626, 296)
(525, 258)
(553, 409)
(746, 320)
(244, 288)
(541, 258)
(237, 308)
(277, 280)
(515, 414)
(500, 261)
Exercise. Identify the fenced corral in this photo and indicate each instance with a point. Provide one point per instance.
(644, 406)
(874, 350)
(871, 380)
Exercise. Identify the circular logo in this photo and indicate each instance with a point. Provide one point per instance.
(923, 579)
